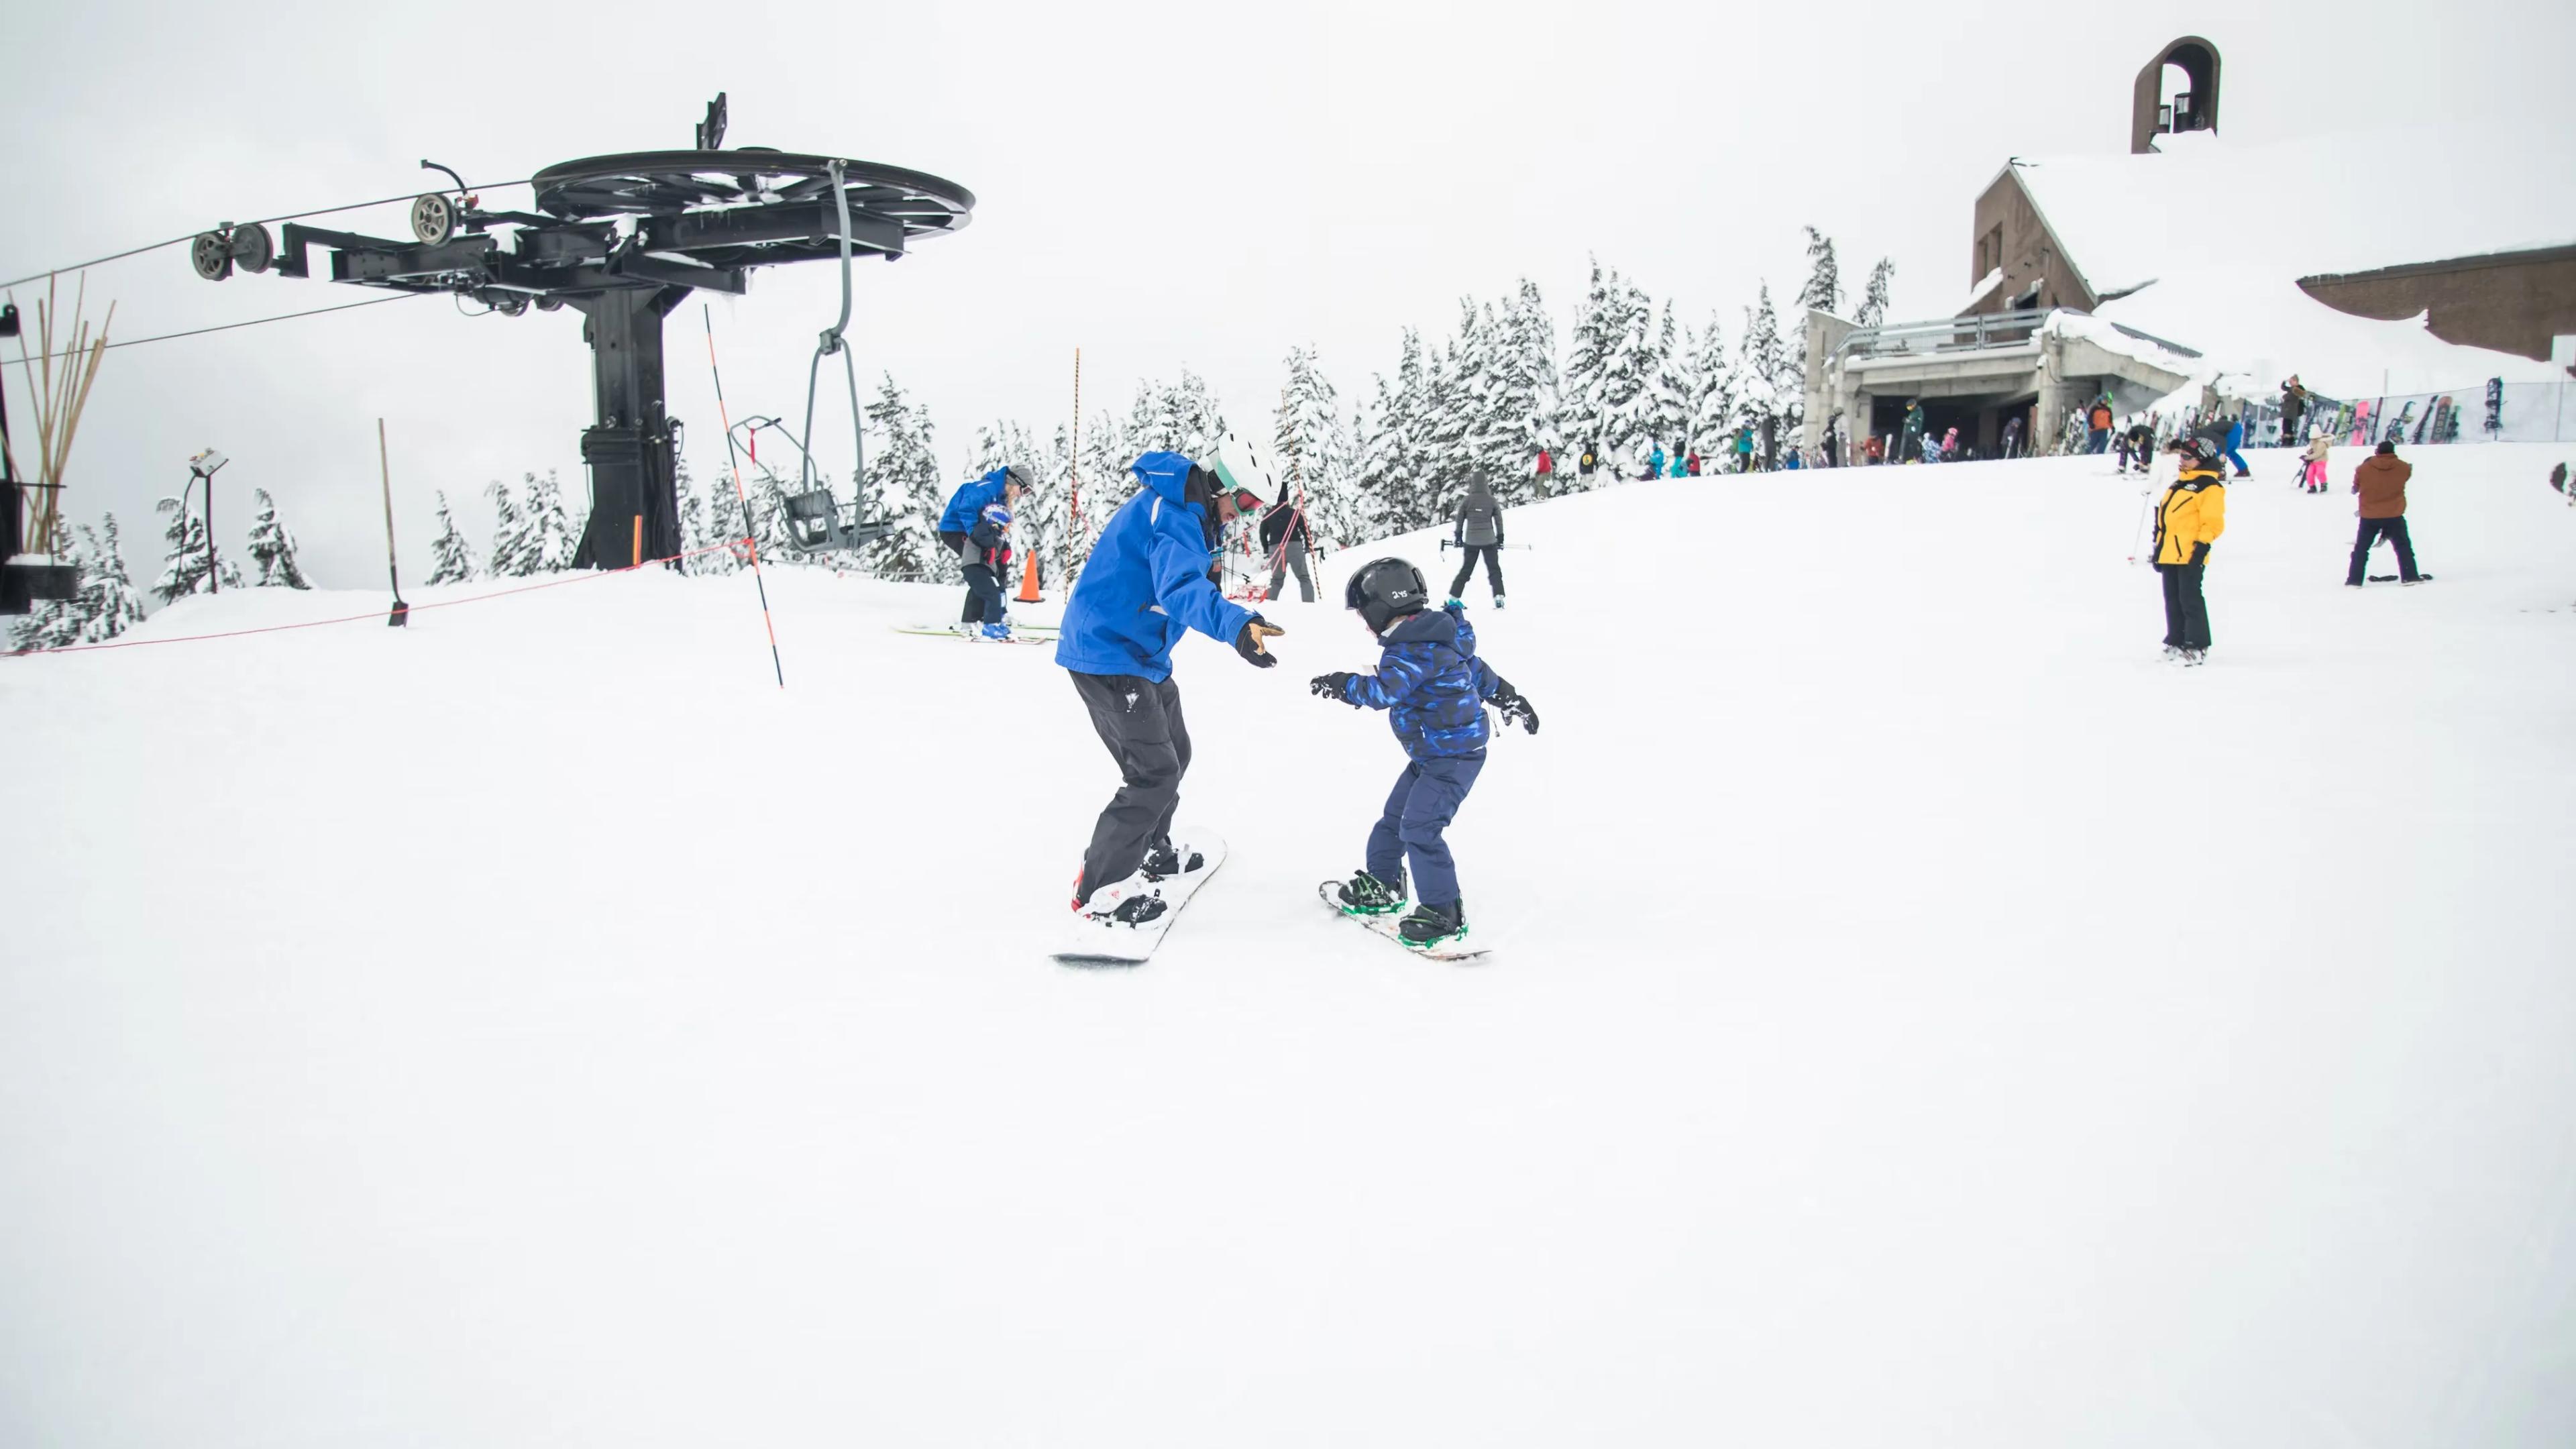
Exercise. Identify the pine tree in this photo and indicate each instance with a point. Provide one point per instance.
(1824, 289)
(1597, 325)
(451, 557)
(514, 548)
(272, 547)
(1669, 400)
(1716, 402)
(903, 487)
(1314, 448)
(1104, 483)
(721, 508)
(112, 604)
(1522, 401)
(183, 567)
(1394, 448)
(1623, 404)
(1768, 372)
(1873, 303)
(550, 531)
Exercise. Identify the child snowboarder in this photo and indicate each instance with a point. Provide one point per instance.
(1435, 688)
(987, 554)
(2318, 442)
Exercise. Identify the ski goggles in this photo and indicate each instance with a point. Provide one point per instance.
(1246, 501)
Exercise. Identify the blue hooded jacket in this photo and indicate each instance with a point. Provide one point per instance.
(1146, 581)
(1432, 685)
(966, 505)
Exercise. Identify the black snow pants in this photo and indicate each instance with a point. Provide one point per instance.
(1467, 568)
(2186, 608)
(2372, 530)
(974, 612)
(1140, 721)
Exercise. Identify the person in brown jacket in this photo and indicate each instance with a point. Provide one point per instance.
(2381, 482)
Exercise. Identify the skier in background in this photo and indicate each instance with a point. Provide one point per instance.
(2012, 436)
(2236, 440)
(2138, 446)
(1590, 460)
(1434, 688)
(2189, 520)
(1744, 448)
(2313, 460)
(1674, 468)
(1146, 581)
(2097, 426)
(966, 506)
(1546, 473)
(1909, 439)
(1873, 450)
(1691, 465)
(1655, 462)
(2294, 406)
(1285, 537)
(1477, 527)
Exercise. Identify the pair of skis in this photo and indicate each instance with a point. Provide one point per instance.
(1094, 944)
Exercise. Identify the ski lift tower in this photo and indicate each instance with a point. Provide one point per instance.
(623, 240)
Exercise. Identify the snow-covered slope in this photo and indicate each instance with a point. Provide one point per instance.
(1918, 1014)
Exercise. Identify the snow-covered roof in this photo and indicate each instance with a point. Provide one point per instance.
(1985, 287)
(2220, 233)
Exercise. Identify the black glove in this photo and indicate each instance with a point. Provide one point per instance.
(1516, 708)
(1248, 642)
(1335, 686)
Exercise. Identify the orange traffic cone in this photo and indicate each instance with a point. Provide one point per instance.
(1029, 583)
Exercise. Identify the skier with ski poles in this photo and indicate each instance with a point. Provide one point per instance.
(1285, 535)
(1434, 688)
(1477, 527)
(1148, 579)
(966, 506)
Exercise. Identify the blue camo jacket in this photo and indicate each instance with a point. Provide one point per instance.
(1431, 684)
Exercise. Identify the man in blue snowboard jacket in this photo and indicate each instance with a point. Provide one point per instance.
(1005, 486)
(1146, 581)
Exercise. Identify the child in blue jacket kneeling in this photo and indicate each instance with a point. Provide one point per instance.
(1434, 689)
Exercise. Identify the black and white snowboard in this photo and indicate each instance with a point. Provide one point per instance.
(1384, 927)
(1092, 943)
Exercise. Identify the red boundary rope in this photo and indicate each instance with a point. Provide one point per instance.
(377, 614)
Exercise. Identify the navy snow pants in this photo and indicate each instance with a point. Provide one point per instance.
(1425, 799)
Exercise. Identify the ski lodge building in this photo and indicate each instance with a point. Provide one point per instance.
(2141, 276)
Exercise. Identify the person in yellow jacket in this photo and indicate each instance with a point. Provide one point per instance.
(2190, 519)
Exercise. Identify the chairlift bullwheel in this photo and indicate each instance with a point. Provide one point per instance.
(708, 203)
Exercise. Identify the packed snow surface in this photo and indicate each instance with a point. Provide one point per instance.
(1917, 1015)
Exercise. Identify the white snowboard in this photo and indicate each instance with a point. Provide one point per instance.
(1384, 927)
(1087, 943)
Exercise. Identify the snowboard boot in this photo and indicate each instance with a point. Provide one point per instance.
(1454, 602)
(1168, 859)
(1431, 925)
(1130, 902)
(2194, 658)
(1498, 601)
(1365, 895)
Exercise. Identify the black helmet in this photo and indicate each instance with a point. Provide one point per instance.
(1385, 591)
(2204, 452)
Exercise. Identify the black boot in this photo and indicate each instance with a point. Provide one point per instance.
(1167, 860)
(1431, 925)
(1365, 895)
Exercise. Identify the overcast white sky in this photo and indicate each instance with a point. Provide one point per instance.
(1162, 185)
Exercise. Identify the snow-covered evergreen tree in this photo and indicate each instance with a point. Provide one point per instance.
(514, 545)
(1768, 372)
(1182, 417)
(183, 566)
(272, 547)
(1873, 303)
(1313, 447)
(691, 502)
(1824, 289)
(1394, 446)
(720, 506)
(1716, 402)
(551, 534)
(1668, 400)
(451, 557)
(1521, 397)
(110, 602)
(903, 486)
(1104, 482)
(1609, 370)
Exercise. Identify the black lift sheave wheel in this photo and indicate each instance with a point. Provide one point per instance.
(749, 208)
